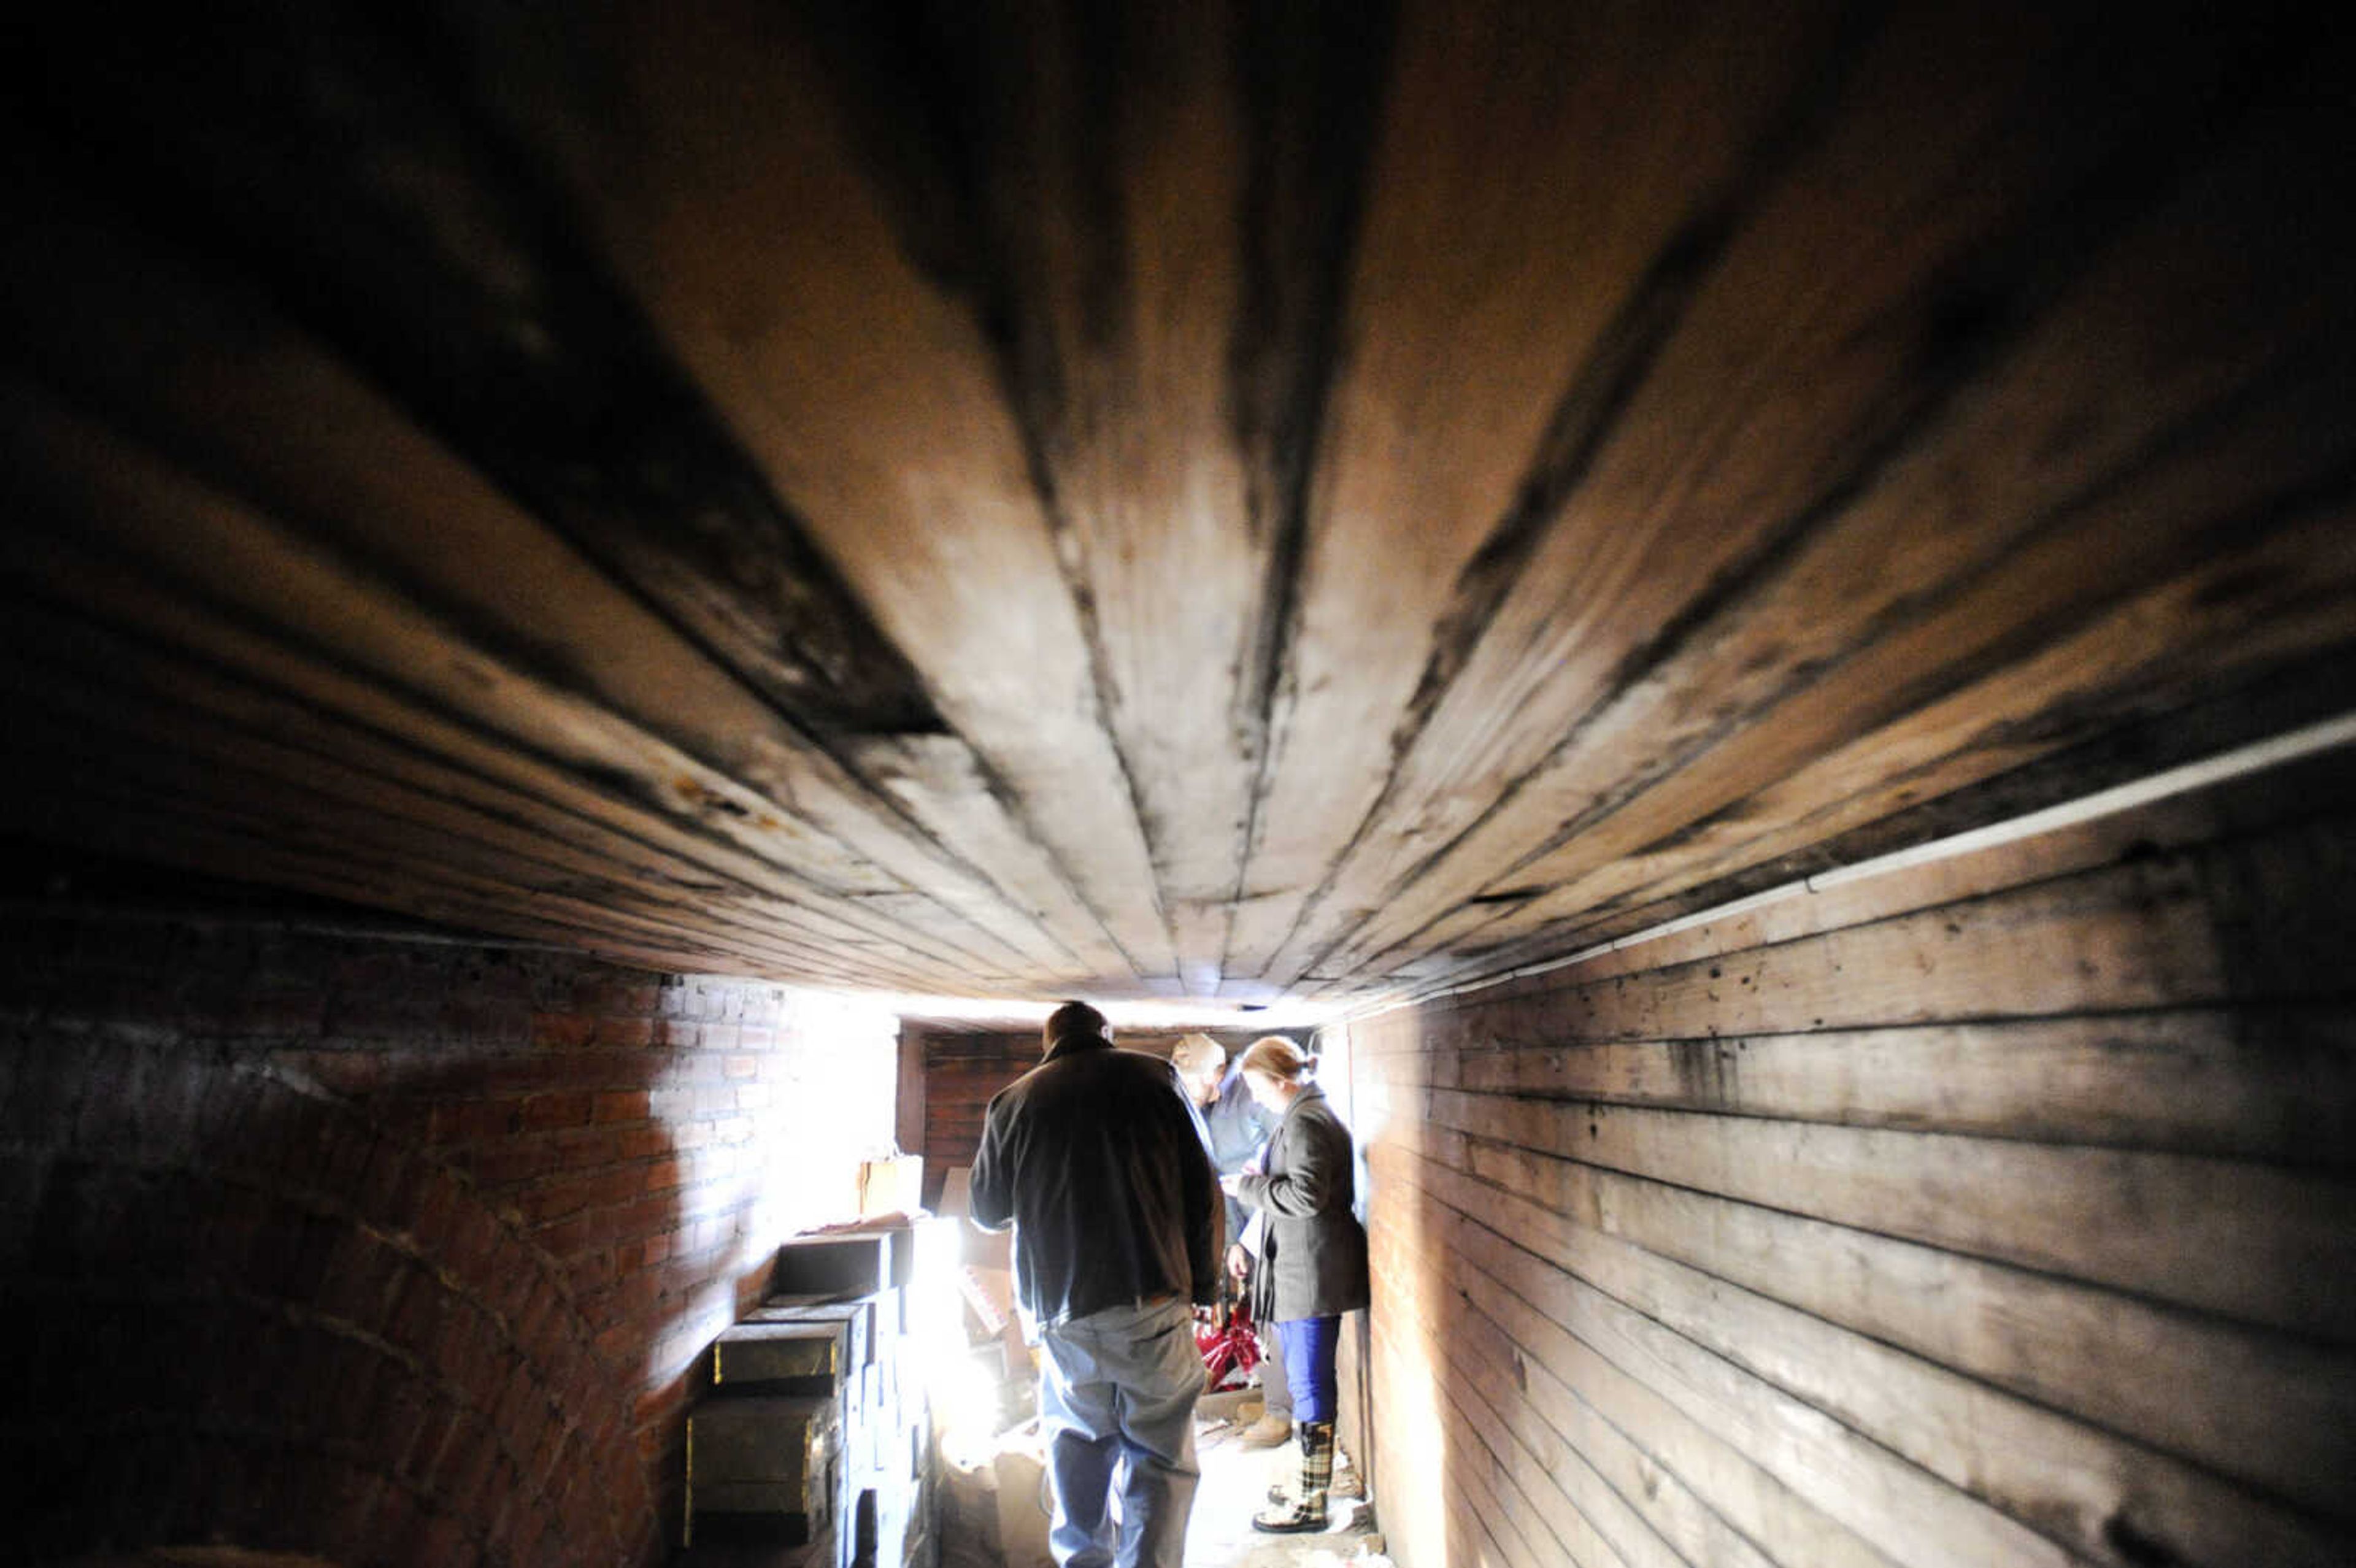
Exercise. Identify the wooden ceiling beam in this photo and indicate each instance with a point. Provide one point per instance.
(221, 742)
(719, 181)
(201, 543)
(1908, 467)
(1500, 251)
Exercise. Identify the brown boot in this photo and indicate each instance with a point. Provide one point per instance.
(1316, 1475)
(1268, 1431)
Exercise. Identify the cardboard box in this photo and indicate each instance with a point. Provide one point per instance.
(856, 1318)
(761, 1467)
(894, 1185)
(845, 1263)
(812, 1354)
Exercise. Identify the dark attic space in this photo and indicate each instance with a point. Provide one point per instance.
(1703, 650)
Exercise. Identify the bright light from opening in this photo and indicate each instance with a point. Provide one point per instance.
(962, 1382)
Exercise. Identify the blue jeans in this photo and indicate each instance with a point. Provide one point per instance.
(1310, 1344)
(1118, 1388)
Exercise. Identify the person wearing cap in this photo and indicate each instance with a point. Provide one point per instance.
(1312, 1263)
(1239, 1128)
(1097, 1158)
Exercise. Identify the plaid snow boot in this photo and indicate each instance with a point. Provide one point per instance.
(1316, 1478)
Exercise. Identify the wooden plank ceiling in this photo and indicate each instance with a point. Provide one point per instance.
(1233, 500)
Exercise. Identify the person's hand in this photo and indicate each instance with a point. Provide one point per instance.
(1239, 1261)
(1233, 1186)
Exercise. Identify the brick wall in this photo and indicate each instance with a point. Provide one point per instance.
(389, 1251)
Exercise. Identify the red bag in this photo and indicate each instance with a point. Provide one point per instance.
(1230, 1349)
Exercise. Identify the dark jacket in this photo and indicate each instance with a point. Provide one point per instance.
(1313, 1259)
(1097, 1157)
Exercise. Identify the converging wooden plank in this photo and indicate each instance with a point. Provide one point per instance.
(2289, 593)
(297, 434)
(210, 759)
(1498, 292)
(190, 535)
(2060, 477)
(866, 390)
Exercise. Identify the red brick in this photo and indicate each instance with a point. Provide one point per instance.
(474, 1242)
(628, 1034)
(562, 1030)
(640, 1143)
(592, 1270)
(445, 1541)
(414, 1321)
(507, 1161)
(440, 1199)
(360, 1279)
(480, 1022)
(390, 1189)
(581, 1149)
(543, 1111)
(621, 1106)
(565, 1240)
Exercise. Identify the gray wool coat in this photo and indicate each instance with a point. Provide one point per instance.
(1313, 1259)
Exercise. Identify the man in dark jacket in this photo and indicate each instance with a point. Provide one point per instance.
(1098, 1160)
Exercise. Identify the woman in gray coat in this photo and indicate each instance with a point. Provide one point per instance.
(1312, 1266)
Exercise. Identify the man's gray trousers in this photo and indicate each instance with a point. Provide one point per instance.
(1117, 1392)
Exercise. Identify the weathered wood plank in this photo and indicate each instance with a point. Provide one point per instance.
(572, 810)
(2136, 935)
(2196, 418)
(2068, 1482)
(2261, 594)
(190, 537)
(706, 132)
(295, 433)
(1525, 1526)
(2257, 1407)
(94, 756)
(1465, 1510)
(77, 670)
(1160, 248)
(1906, 1512)
(2265, 1245)
(179, 761)
(221, 840)
(1653, 1448)
(1498, 296)
(2272, 1085)
(1474, 1358)
(2255, 804)
(1818, 271)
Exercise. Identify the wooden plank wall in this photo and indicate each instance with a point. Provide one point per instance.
(1997, 1211)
